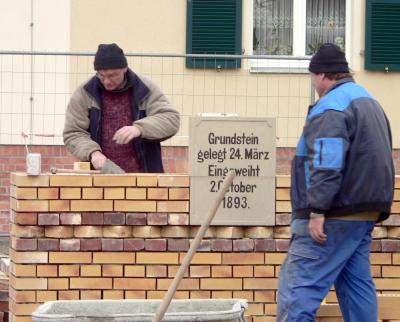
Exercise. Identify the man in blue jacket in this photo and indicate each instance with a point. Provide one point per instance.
(342, 184)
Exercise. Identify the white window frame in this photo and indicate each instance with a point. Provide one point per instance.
(299, 42)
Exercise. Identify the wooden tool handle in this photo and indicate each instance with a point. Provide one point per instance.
(193, 248)
(56, 170)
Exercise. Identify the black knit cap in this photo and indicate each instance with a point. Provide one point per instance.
(109, 56)
(329, 59)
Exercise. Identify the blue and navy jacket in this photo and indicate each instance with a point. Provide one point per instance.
(343, 163)
(148, 152)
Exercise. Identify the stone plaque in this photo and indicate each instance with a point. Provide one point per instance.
(246, 145)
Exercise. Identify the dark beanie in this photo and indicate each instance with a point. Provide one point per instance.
(109, 56)
(329, 59)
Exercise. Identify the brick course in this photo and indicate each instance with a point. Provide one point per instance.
(174, 159)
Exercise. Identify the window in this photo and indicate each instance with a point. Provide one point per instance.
(273, 27)
(297, 27)
(325, 22)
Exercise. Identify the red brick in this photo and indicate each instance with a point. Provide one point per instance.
(70, 218)
(155, 244)
(263, 245)
(205, 246)
(114, 218)
(391, 245)
(133, 244)
(70, 245)
(243, 245)
(221, 245)
(376, 246)
(25, 218)
(90, 244)
(92, 218)
(136, 219)
(48, 219)
(282, 245)
(283, 219)
(158, 219)
(48, 244)
(178, 245)
(23, 243)
(112, 244)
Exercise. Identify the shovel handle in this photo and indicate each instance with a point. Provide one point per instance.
(193, 248)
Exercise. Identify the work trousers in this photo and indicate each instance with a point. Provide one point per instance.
(310, 269)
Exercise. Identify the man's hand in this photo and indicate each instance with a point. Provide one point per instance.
(126, 134)
(98, 160)
(316, 229)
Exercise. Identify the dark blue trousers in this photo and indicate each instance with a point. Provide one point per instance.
(310, 269)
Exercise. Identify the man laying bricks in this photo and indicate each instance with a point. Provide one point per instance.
(119, 115)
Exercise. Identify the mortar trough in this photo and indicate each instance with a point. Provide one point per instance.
(223, 310)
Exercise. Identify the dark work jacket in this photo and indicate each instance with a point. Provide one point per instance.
(148, 152)
(343, 163)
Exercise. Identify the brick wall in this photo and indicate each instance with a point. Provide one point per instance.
(12, 158)
(124, 237)
(175, 161)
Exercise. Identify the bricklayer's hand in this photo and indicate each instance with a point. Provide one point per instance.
(98, 160)
(126, 134)
(316, 229)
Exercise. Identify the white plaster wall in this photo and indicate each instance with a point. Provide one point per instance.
(33, 102)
